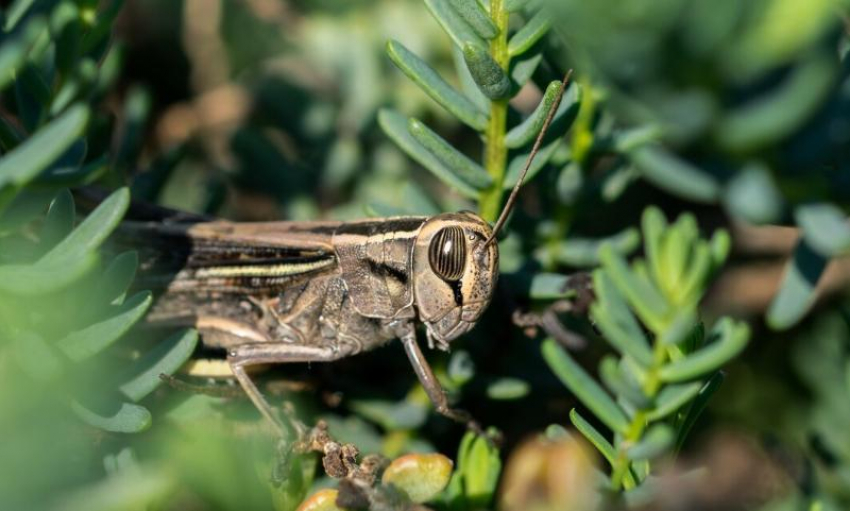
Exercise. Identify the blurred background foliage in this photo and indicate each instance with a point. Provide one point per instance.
(269, 109)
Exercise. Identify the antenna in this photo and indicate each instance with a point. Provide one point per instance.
(503, 217)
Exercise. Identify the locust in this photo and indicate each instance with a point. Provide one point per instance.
(288, 292)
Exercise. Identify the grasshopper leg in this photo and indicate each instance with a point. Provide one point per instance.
(432, 386)
(246, 355)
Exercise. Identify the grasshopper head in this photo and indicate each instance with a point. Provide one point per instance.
(454, 274)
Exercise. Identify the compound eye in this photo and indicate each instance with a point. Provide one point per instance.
(447, 253)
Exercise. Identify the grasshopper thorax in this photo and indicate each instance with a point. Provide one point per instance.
(454, 274)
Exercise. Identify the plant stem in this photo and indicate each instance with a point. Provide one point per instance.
(651, 387)
(495, 151)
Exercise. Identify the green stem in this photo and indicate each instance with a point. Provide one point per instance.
(495, 152)
(620, 473)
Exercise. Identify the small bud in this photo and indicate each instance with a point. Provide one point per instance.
(421, 476)
(322, 500)
(486, 72)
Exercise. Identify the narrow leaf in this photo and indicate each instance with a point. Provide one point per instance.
(476, 17)
(41, 278)
(552, 286)
(654, 226)
(699, 404)
(593, 436)
(462, 166)
(518, 161)
(619, 385)
(14, 49)
(165, 358)
(515, 5)
(657, 440)
(507, 389)
(32, 95)
(617, 322)
(490, 77)
(93, 230)
(530, 33)
(455, 26)
(732, 338)
(34, 155)
(584, 252)
(59, 220)
(752, 195)
(128, 418)
(825, 228)
(671, 399)
(395, 126)
(640, 293)
(584, 387)
(94, 338)
(467, 84)
(432, 84)
(670, 173)
(797, 293)
(525, 133)
(118, 276)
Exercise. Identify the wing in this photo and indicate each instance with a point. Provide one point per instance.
(225, 257)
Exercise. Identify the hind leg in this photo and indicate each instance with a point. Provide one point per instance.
(246, 355)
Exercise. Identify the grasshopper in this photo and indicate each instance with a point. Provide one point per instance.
(281, 292)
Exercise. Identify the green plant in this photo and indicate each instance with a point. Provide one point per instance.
(666, 368)
(493, 65)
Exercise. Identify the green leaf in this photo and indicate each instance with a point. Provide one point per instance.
(74, 175)
(432, 84)
(15, 13)
(654, 227)
(455, 26)
(40, 278)
(697, 406)
(14, 49)
(680, 329)
(93, 339)
(671, 398)
(672, 174)
(488, 75)
(522, 67)
(515, 5)
(518, 161)
(66, 27)
(655, 442)
(128, 418)
(778, 114)
(732, 339)
(59, 221)
(468, 86)
(797, 292)
(32, 95)
(458, 163)
(478, 19)
(89, 235)
(36, 356)
(478, 470)
(620, 385)
(551, 286)
(137, 109)
(391, 415)
(164, 358)
(395, 126)
(593, 436)
(825, 228)
(34, 155)
(584, 387)
(530, 33)
(527, 131)
(616, 321)
(752, 195)
(508, 389)
(584, 252)
(641, 294)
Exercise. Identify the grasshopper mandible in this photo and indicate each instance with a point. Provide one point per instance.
(277, 292)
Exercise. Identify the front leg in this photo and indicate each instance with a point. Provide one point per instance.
(432, 386)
